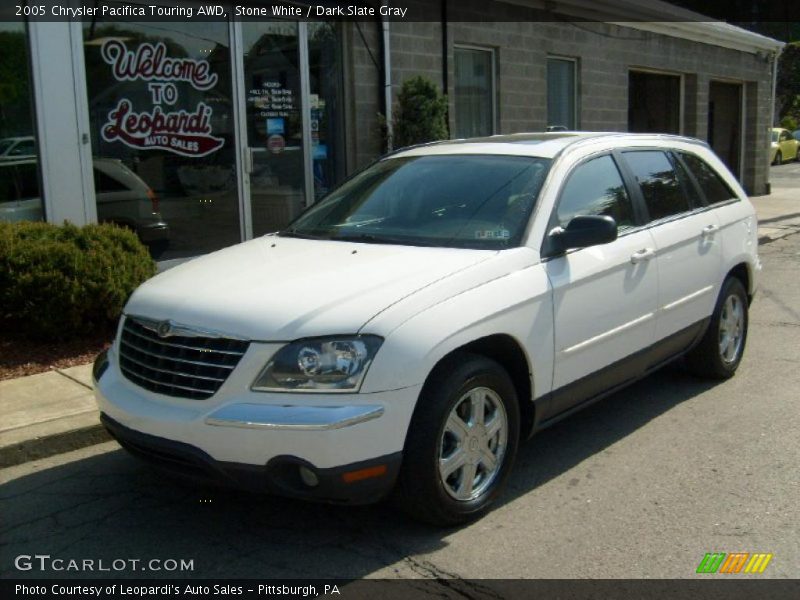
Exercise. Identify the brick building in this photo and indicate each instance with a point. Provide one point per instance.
(230, 128)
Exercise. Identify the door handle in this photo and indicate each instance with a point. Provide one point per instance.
(709, 231)
(642, 255)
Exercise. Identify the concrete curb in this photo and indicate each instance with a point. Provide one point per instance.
(47, 414)
(51, 445)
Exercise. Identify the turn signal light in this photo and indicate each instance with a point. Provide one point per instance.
(368, 473)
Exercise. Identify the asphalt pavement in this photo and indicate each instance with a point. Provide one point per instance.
(640, 485)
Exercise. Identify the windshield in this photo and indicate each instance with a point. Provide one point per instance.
(775, 135)
(459, 201)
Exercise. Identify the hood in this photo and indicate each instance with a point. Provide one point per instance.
(282, 289)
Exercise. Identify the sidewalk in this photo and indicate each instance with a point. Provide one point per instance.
(54, 412)
(46, 414)
(778, 213)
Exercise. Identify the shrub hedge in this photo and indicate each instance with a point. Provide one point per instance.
(421, 113)
(63, 281)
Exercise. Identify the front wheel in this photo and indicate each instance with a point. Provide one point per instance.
(778, 158)
(462, 442)
(719, 353)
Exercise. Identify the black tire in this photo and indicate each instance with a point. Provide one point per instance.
(708, 359)
(778, 158)
(421, 491)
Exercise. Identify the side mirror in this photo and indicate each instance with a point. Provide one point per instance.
(584, 231)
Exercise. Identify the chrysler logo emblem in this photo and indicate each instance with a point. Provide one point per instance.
(164, 329)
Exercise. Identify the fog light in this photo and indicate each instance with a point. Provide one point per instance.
(309, 477)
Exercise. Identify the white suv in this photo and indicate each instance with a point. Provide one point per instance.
(406, 332)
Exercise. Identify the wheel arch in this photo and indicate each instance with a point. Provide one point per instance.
(741, 272)
(508, 353)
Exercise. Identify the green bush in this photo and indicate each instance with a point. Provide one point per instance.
(58, 282)
(421, 113)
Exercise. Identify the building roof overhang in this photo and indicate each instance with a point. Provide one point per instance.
(660, 17)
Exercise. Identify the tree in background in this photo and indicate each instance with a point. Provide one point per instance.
(787, 92)
(420, 115)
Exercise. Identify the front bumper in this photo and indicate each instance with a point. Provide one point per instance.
(349, 484)
(351, 443)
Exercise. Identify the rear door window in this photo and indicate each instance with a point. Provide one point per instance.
(662, 192)
(104, 184)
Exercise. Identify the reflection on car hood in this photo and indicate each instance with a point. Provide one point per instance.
(280, 289)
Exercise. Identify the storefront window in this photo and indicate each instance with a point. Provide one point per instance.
(162, 128)
(20, 196)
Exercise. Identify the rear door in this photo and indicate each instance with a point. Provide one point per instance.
(604, 296)
(687, 244)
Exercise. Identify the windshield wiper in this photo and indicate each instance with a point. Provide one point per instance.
(302, 236)
(368, 238)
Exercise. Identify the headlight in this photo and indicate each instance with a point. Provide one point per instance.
(335, 364)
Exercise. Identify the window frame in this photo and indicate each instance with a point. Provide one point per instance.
(493, 80)
(575, 89)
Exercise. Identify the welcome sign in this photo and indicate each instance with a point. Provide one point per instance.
(187, 133)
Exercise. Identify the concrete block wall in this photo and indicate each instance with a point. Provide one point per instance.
(363, 93)
(606, 54)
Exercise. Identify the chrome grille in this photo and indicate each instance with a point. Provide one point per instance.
(185, 366)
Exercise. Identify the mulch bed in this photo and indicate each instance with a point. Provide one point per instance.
(20, 356)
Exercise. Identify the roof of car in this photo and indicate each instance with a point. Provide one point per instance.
(544, 145)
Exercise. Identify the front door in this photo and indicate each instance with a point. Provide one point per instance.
(604, 297)
(725, 123)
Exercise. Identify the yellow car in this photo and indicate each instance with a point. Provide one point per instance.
(784, 147)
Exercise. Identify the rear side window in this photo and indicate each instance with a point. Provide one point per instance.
(659, 183)
(713, 186)
(104, 183)
(596, 188)
(18, 182)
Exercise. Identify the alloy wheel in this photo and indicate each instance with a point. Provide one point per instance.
(473, 444)
(731, 329)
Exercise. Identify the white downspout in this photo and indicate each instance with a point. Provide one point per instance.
(775, 56)
(387, 84)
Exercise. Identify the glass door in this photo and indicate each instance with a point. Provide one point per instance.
(325, 105)
(276, 131)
